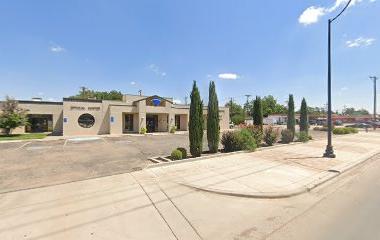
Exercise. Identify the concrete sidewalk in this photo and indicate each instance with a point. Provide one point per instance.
(273, 173)
(155, 204)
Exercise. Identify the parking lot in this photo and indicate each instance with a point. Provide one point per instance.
(41, 163)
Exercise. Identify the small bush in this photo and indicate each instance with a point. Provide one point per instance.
(183, 151)
(287, 136)
(230, 141)
(271, 135)
(173, 129)
(236, 141)
(246, 140)
(303, 137)
(257, 134)
(344, 130)
(176, 155)
(142, 130)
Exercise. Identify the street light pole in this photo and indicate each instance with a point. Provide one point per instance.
(374, 78)
(329, 152)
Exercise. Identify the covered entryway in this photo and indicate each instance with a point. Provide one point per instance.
(39, 123)
(151, 123)
(181, 122)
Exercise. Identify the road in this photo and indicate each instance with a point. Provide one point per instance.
(350, 211)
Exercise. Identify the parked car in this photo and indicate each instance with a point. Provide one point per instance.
(338, 123)
(360, 125)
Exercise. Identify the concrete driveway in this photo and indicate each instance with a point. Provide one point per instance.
(41, 163)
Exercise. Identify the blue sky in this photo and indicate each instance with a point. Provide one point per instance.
(51, 48)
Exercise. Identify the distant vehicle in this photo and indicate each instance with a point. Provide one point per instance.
(321, 122)
(313, 122)
(360, 125)
(338, 123)
(232, 125)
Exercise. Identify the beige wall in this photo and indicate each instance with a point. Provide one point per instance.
(54, 109)
(103, 111)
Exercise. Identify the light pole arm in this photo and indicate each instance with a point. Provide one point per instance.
(344, 9)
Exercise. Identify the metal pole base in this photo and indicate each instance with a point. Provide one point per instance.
(329, 153)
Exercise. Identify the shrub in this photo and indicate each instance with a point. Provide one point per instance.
(236, 141)
(246, 140)
(213, 133)
(303, 136)
(176, 155)
(257, 134)
(271, 135)
(230, 141)
(183, 151)
(291, 121)
(142, 130)
(344, 130)
(173, 129)
(304, 119)
(196, 122)
(287, 136)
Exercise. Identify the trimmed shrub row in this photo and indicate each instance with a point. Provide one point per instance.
(344, 130)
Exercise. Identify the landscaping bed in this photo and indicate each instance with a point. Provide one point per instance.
(25, 136)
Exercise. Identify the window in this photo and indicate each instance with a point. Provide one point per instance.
(86, 120)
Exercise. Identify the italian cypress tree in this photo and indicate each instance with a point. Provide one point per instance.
(291, 123)
(196, 122)
(258, 113)
(304, 121)
(213, 119)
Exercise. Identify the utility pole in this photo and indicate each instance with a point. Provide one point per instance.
(247, 104)
(374, 78)
(140, 92)
(186, 100)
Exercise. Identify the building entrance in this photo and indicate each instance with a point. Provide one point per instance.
(151, 123)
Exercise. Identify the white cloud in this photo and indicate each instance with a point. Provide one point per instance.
(133, 83)
(154, 68)
(313, 14)
(57, 49)
(177, 101)
(228, 76)
(360, 42)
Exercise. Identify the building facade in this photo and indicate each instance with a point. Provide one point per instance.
(94, 117)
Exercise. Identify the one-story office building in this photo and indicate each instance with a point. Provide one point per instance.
(93, 117)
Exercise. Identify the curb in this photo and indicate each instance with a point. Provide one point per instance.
(215, 155)
(324, 177)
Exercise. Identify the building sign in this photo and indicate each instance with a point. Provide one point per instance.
(156, 101)
(65, 119)
(112, 119)
(78, 108)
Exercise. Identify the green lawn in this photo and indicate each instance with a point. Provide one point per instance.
(23, 136)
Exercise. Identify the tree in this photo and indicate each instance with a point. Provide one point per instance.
(11, 116)
(291, 116)
(269, 104)
(213, 130)
(353, 112)
(196, 122)
(237, 115)
(258, 113)
(304, 119)
(86, 93)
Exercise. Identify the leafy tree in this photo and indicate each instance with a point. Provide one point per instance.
(304, 119)
(258, 112)
(86, 93)
(353, 112)
(11, 116)
(237, 115)
(213, 130)
(196, 122)
(269, 104)
(291, 115)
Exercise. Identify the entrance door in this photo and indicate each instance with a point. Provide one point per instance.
(178, 122)
(151, 123)
(128, 124)
(40, 123)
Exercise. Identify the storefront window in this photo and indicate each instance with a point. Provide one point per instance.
(86, 120)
